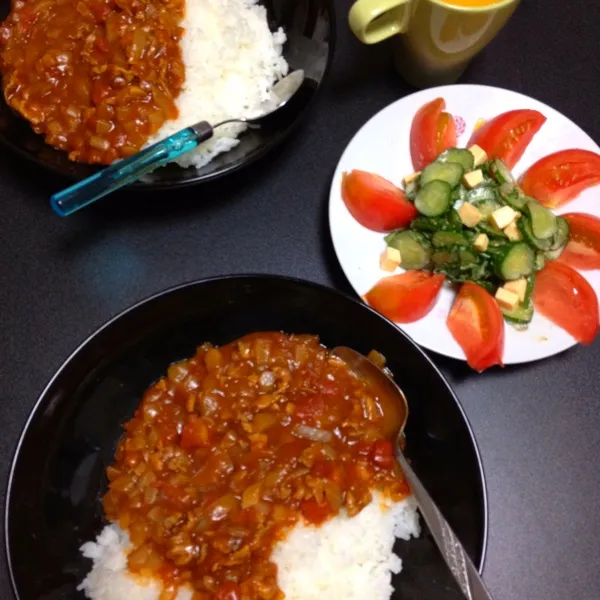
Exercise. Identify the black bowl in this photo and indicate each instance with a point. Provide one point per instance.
(57, 479)
(310, 29)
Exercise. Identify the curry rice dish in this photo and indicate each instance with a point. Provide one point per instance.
(255, 471)
(101, 79)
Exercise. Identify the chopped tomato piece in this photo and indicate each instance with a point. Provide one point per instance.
(375, 202)
(406, 297)
(328, 469)
(508, 135)
(314, 512)
(229, 591)
(583, 249)
(561, 176)
(432, 131)
(195, 434)
(382, 454)
(563, 295)
(476, 323)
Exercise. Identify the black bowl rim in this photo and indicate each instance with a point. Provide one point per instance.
(239, 277)
(257, 154)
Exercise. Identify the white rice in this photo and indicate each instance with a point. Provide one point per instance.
(231, 61)
(346, 558)
(349, 558)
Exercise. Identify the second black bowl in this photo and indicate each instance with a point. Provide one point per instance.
(310, 29)
(58, 476)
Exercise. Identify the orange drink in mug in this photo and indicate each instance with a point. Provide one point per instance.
(433, 40)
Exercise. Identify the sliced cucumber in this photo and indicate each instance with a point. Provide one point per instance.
(434, 198)
(413, 246)
(540, 261)
(543, 221)
(520, 314)
(467, 259)
(526, 229)
(501, 172)
(410, 191)
(449, 172)
(513, 196)
(444, 258)
(529, 288)
(553, 254)
(517, 261)
(458, 155)
(563, 232)
(448, 239)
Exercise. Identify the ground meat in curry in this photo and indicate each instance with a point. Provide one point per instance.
(235, 445)
(95, 77)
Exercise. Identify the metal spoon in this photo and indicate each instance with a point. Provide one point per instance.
(125, 171)
(452, 550)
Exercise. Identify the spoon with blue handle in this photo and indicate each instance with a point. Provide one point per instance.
(130, 169)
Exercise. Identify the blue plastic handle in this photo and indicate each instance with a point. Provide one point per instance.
(124, 171)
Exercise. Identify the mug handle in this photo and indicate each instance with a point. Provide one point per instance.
(373, 21)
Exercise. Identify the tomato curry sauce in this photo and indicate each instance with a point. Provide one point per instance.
(234, 446)
(95, 77)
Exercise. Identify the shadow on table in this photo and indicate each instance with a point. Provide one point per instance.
(128, 208)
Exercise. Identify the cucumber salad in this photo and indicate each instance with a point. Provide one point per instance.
(475, 224)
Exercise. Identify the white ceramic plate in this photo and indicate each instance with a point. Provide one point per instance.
(382, 146)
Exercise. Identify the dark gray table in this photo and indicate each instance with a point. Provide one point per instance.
(538, 426)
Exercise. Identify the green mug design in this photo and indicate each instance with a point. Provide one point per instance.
(433, 41)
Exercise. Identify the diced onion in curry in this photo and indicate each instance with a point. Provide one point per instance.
(96, 77)
(234, 446)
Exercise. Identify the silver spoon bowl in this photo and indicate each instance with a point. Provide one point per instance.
(453, 552)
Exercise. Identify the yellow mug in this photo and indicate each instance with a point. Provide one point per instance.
(437, 38)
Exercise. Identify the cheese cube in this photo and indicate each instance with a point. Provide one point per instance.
(513, 233)
(473, 178)
(390, 259)
(481, 242)
(469, 215)
(518, 286)
(479, 154)
(506, 299)
(410, 178)
(503, 217)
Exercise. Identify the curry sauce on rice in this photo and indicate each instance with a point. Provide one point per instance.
(255, 471)
(101, 79)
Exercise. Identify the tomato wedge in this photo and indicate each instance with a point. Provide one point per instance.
(375, 202)
(562, 295)
(508, 135)
(583, 249)
(432, 131)
(476, 323)
(406, 297)
(561, 176)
